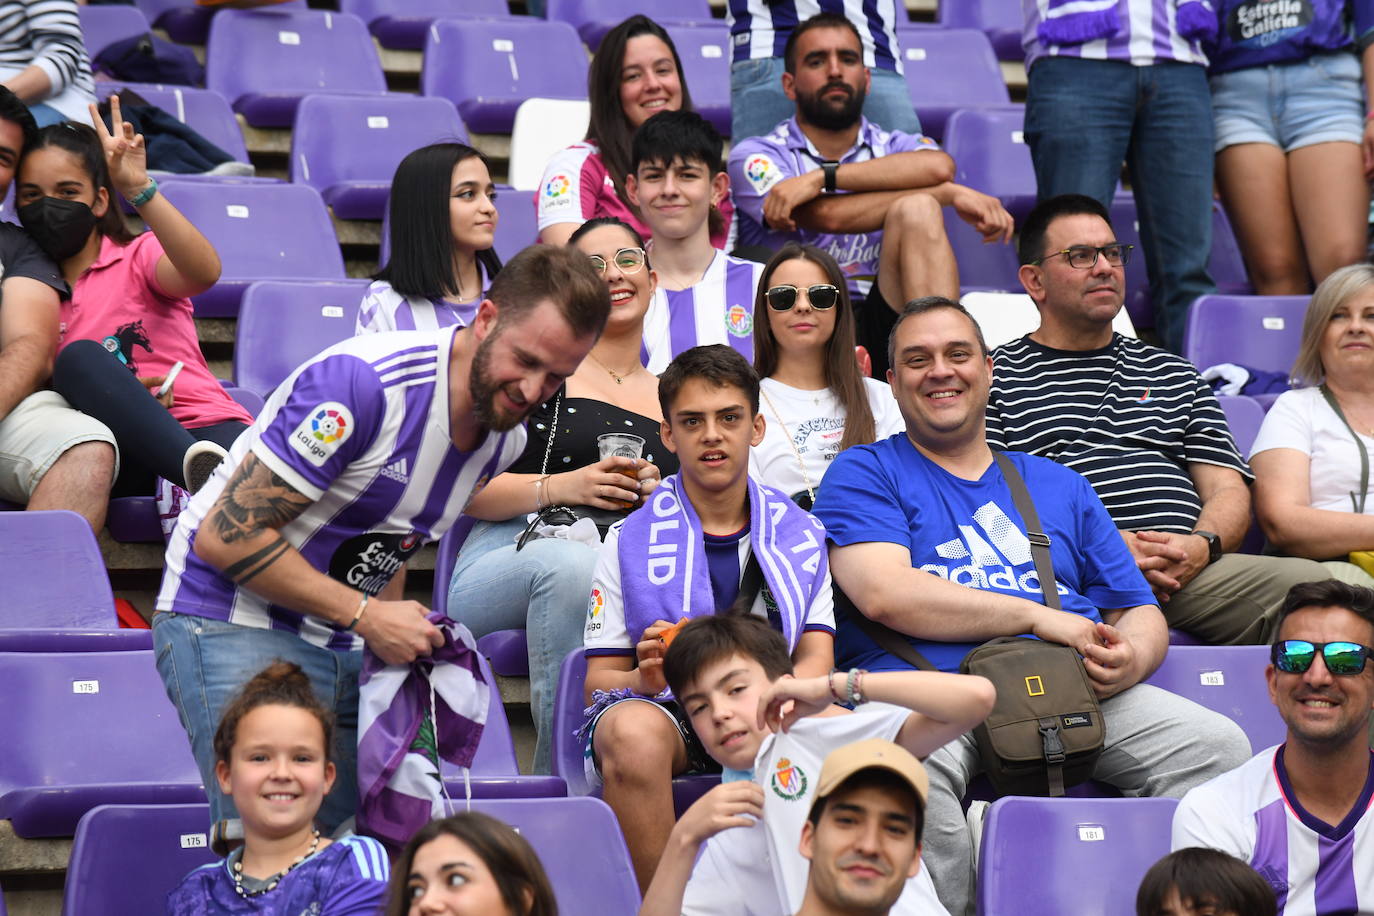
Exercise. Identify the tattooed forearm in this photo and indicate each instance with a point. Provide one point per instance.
(255, 499)
(245, 569)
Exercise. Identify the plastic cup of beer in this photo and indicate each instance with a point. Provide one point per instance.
(623, 445)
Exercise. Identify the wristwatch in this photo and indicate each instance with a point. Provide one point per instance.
(829, 167)
(1213, 545)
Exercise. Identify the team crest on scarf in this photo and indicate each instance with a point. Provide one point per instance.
(738, 321)
(788, 781)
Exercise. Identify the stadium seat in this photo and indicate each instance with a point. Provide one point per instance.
(347, 147)
(1260, 332)
(594, 18)
(1244, 416)
(506, 650)
(54, 574)
(1228, 680)
(991, 155)
(1051, 856)
(949, 69)
(989, 266)
(581, 847)
(261, 232)
(517, 224)
(567, 750)
(487, 67)
(542, 127)
(186, 22)
(93, 728)
(265, 62)
(705, 54)
(102, 26)
(1226, 263)
(1006, 316)
(1000, 20)
(127, 858)
(204, 110)
(402, 24)
(283, 323)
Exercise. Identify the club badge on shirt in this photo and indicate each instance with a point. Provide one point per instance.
(738, 321)
(788, 781)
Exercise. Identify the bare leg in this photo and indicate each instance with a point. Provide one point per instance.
(640, 750)
(916, 259)
(1253, 178)
(1331, 198)
(80, 481)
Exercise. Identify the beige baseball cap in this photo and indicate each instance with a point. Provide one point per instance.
(844, 762)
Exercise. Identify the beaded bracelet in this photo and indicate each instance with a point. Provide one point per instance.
(142, 197)
(830, 682)
(853, 686)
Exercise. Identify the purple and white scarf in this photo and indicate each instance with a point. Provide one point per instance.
(1072, 22)
(409, 718)
(663, 569)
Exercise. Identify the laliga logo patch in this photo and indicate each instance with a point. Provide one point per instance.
(762, 172)
(320, 434)
(738, 321)
(557, 186)
(788, 781)
(595, 605)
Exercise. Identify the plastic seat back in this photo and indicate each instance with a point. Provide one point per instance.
(186, 22)
(127, 858)
(53, 572)
(204, 110)
(283, 323)
(990, 154)
(594, 18)
(102, 26)
(949, 69)
(705, 54)
(1000, 20)
(541, 128)
(1261, 332)
(402, 24)
(1228, 680)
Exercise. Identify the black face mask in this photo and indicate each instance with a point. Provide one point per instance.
(60, 227)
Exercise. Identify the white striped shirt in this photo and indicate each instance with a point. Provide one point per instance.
(1130, 418)
(363, 430)
(47, 34)
(718, 309)
(1147, 35)
(759, 28)
(383, 309)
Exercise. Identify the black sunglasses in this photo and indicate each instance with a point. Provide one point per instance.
(1294, 656)
(822, 296)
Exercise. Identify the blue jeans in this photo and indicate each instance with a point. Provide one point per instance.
(542, 589)
(205, 662)
(1083, 117)
(758, 104)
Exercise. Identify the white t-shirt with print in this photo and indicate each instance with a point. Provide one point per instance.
(1303, 421)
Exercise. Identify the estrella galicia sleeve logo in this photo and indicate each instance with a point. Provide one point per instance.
(367, 562)
(325, 427)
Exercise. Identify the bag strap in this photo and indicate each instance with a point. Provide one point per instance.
(750, 583)
(1357, 502)
(883, 636)
(1039, 540)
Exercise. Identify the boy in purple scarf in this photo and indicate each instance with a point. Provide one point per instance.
(684, 554)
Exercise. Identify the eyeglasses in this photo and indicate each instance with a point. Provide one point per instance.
(1294, 656)
(822, 296)
(1084, 256)
(628, 260)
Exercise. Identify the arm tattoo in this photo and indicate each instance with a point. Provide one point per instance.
(255, 498)
(245, 569)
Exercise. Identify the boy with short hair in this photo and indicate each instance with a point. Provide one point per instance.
(734, 681)
(677, 179)
(709, 538)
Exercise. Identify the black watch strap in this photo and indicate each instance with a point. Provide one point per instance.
(1213, 544)
(829, 167)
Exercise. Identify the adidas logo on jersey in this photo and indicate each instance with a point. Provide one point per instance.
(993, 550)
(397, 471)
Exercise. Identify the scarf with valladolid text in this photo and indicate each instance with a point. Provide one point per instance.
(1073, 22)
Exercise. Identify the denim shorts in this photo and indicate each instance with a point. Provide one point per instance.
(698, 761)
(1292, 105)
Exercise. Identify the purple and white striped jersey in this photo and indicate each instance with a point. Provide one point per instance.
(1252, 812)
(383, 309)
(1147, 35)
(363, 430)
(718, 309)
(759, 28)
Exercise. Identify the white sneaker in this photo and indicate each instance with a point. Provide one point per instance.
(199, 463)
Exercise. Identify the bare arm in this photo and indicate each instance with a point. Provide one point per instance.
(240, 537)
(723, 807)
(599, 485)
(814, 655)
(1283, 504)
(1225, 502)
(31, 84)
(798, 201)
(557, 234)
(1367, 65)
(28, 338)
(1134, 641)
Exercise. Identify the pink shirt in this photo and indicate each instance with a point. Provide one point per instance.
(118, 302)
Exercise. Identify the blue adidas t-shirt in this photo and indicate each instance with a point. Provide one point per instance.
(969, 532)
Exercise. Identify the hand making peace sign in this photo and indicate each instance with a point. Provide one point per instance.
(125, 153)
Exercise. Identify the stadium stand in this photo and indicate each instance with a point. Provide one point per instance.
(949, 69)
(187, 23)
(594, 18)
(102, 26)
(282, 323)
(1000, 20)
(53, 572)
(1261, 332)
(507, 651)
(402, 24)
(1226, 679)
(982, 266)
(204, 110)
(705, 54)
(990, 154)
(126, 858)
(542, 128)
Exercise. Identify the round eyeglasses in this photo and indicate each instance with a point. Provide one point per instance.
(627, 261)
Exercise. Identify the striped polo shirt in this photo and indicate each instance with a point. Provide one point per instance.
(1129, 417)
(719, 308)
(363, 430)
(759, 28)
(1147, 34)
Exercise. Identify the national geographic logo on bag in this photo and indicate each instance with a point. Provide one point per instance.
(1076, 720)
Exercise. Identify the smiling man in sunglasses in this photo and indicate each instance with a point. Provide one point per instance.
(1300, 813)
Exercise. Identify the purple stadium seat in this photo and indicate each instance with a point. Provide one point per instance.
(705, 54)
(94, 728)
(57, 640)
(949, 69)
(1180, 638)
(1226, 263)
(594, 18)
(53, 573)
(185, 22)
(265, 62)
(991, 155)
(487, 67)
(206, 111)
(517, 224)
(402, 24)
(284, 323)
(126, 858)
(1000, 20)
(1030, 845)
(1262, 332)
(568, 749)
(506, 650)
(1244, 416)
(982, 266)
(102, 26)
(1228, 680)
(580, 845)
(261, 232)
(347, 147)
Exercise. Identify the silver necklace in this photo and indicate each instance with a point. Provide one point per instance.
(274, 880)
(806, 478)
